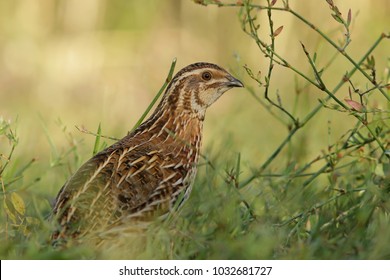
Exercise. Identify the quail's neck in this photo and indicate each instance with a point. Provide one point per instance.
(179, 127)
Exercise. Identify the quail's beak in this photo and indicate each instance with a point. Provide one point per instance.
(233, 82)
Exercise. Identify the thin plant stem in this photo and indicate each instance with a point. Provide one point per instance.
(307, 118)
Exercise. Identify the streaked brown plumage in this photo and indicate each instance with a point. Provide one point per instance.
(144, 174)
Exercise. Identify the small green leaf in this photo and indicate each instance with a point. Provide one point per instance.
(379, 170)
(372, 62)
(97, 140)
(9, 213)
(337, 18)
(386, 169)
(32, 221)
(18, 203)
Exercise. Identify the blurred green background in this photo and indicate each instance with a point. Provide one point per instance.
(92, 61)
(80, 63)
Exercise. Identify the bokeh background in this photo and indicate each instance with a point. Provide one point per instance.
(70, 63)
(92, 61)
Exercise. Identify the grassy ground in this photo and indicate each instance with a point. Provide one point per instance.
(297, 167)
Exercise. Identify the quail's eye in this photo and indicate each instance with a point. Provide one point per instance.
(206, 75)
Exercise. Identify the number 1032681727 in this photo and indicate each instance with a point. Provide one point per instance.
(242, 270)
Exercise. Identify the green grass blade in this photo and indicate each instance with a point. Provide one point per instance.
(97, 140)
(168, 79)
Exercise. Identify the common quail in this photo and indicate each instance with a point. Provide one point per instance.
(150, 171)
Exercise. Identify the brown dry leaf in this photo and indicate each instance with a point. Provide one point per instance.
(277, 31)
(355, 105)
(349, 18)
